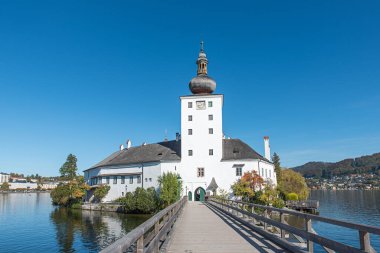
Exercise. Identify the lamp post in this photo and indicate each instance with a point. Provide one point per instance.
(179, 179)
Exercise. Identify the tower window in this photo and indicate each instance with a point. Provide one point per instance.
(210, 152)
(201, 172)
(190, 117)
(190, 152)
(211, 131)
(190, 131)
(238, 171)
(190, 104)
(209, 103)
(210, 117)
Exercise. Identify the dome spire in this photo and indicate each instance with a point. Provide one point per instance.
(202, 83)
(202, 61)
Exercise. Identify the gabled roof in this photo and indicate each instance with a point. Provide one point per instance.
(235, 149)
(162, 151)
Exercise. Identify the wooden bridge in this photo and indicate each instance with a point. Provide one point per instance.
(234, 226)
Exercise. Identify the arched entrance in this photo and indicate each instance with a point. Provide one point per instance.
(199, 194)
(190, 196)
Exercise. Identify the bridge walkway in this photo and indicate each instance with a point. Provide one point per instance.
(203, 229)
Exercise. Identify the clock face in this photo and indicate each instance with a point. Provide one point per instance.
(201, 105)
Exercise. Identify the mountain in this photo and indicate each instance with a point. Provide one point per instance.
(363, 164)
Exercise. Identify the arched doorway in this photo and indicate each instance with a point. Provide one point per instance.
(190, 196)
(199, 194)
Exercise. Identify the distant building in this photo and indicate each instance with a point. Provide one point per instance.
(4, 177)
(203, 157)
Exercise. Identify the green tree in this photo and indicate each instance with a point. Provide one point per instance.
(140, 201)
(5, 186)
(69, 168)
(293, 182)
(170, 188)
(277, 166)
(69, 193)
(101, 192)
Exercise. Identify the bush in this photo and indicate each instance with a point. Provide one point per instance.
(140, 201)
(170, 188)
(101, 192)
(5, 186)
(292, 196)
(278, 203)
(70, 193)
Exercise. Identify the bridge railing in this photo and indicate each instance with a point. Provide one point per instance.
(260, 214)
(148, 236)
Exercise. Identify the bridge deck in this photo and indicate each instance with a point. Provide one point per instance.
(201, 229)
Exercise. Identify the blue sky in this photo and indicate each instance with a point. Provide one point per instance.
(82, 77)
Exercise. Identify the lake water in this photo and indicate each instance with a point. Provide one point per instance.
(29, 223)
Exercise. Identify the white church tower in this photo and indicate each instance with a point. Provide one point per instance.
(201, 128)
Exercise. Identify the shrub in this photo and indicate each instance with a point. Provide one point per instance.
(70, 193)
(140, 201)
(101, 192)
(278, 203)
(170, 188)
(5, 186)
(292, 196)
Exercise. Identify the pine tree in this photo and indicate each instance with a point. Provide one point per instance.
(69, 168)
(277, 166)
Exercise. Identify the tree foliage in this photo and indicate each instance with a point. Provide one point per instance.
(101, 191)
(69, 193)
(293, 182)
(291, 196)
(69, 168)
(247, 185)
(170, 188)
(5, 186)
(140, 201)
(277, 166)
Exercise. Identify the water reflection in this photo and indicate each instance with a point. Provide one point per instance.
(78, 230)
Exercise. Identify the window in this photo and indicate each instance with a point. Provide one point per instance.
(238, 171)
(108, 180)
(210, 130)
(210, 152)
(146, 179)
(150, 179)
(262, 172)
(266, 173)
(115, 180)
(122, 194)
(270, 173)
(190, 104)
(100, 180)
(131, 179)
(190, 152)
(139, 179)
(190, 117)
(122, 179)
(190, 131)
(210, 117)
(209, 103)
(201, 172)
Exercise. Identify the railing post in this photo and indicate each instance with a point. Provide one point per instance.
(282, 220)
(365, 243)
(140, 244)
(310, 246)
(266, 216)
(156, 239)
(253, 212)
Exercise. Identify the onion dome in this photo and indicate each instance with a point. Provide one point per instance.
(202, 83)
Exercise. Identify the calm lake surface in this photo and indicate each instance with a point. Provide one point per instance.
(29, 223)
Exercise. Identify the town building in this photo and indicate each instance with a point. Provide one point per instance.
(204, 158)
(4, 177)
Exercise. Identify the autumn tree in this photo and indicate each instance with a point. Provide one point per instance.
(247, 185)
(293, 182)
(69, 168)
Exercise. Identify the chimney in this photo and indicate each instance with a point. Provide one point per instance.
(177, 136)
(129, 144)
(267, 148)
(121, 147)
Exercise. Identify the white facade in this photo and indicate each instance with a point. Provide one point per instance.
(4, 178)
(201, 154)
